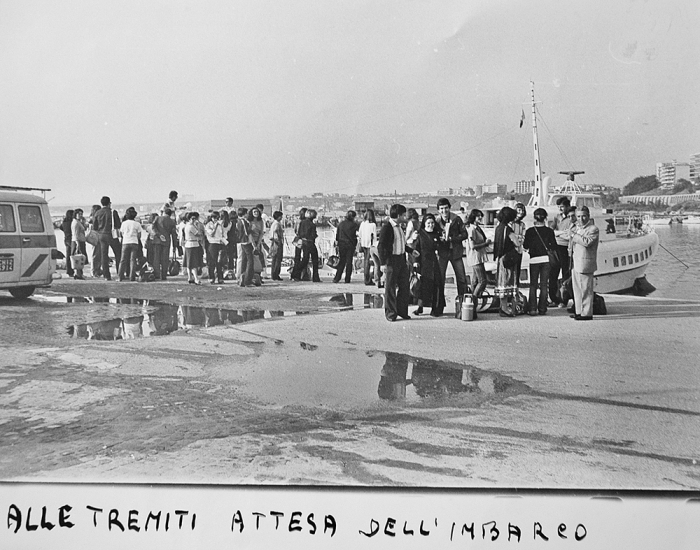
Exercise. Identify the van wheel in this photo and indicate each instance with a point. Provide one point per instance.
(22, 292)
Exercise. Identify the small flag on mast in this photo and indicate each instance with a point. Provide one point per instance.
(522, 118)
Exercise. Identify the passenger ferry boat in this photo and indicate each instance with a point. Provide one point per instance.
(627, 244)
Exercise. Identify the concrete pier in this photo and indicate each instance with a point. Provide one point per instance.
(294, 397)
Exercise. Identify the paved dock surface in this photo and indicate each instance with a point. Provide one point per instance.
(283, 386)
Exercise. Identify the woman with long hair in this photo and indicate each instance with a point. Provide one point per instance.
(504, 244)
(432, 286)
(477, 245)
(78, 240)
(413, 225)
(518, 226)
(255, 236)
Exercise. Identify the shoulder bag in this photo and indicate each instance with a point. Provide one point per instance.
(552, 254)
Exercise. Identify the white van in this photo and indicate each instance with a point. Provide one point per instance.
(28, 250)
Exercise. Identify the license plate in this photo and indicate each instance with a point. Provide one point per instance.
(7, 264)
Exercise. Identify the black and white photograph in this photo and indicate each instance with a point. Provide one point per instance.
(417, 245)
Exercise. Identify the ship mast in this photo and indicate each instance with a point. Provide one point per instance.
(539, 195)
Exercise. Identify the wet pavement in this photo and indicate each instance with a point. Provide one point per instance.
(309, 384)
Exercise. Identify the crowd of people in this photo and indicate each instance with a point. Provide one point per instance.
(236, 243)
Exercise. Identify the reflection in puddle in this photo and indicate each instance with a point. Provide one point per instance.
(359, 301)
(349, 378)
(159, 319)
(432, 379)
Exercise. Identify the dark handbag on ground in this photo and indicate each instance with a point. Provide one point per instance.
(552, 254)
(510, 258)
(174, 268)
(599, 307)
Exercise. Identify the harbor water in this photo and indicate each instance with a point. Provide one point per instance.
(667, 273)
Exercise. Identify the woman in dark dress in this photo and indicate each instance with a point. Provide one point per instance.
(504, 242)
(432, 287)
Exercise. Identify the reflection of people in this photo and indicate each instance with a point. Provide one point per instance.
(393, 382)
(164, 319)
(132, 327)
(584, 238)
(436, 382)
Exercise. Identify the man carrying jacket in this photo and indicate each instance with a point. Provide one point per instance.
(164, 231)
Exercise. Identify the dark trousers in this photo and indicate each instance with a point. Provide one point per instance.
(276, 253)
(346, 253)
(231, 254)
(539, 279)
(217, 253)
(103, 245)
(116, 246)
(563, 254)
(69, 265)
(247, 272)
(396, 290)
(308, 251)
(160, 261)
(127, 265)
(458, 267)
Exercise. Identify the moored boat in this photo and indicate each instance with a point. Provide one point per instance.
(627, 244)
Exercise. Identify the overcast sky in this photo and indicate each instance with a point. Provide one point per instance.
(252, 98)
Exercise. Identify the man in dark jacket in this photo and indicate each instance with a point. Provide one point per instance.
(392, 255)
(164, 232)
(103, 225)
(453, 233)
(346, 239)
(307, 233)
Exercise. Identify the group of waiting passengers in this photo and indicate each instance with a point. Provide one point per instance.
(230, 240)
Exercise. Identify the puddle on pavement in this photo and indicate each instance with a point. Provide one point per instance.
(358, 301)
(349, 378)
(159, 319)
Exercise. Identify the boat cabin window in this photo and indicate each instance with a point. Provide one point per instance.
(629, 259)
(624, 260)
(7, 218)
(636, 258)
(649, 251)
(616, 262)
(590, 202)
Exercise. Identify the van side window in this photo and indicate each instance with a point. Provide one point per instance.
(30, 219)
(7, 219)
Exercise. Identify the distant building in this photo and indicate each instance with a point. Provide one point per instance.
(523, 187)
(695, 168)
(362, 206)
(666, 173)
(496, 188)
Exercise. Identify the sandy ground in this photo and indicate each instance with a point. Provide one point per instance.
(294, 398)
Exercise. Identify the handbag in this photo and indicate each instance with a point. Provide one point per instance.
(173, 267)
(551, 254)
(414, 285)
(296, 241)
(91, 237)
